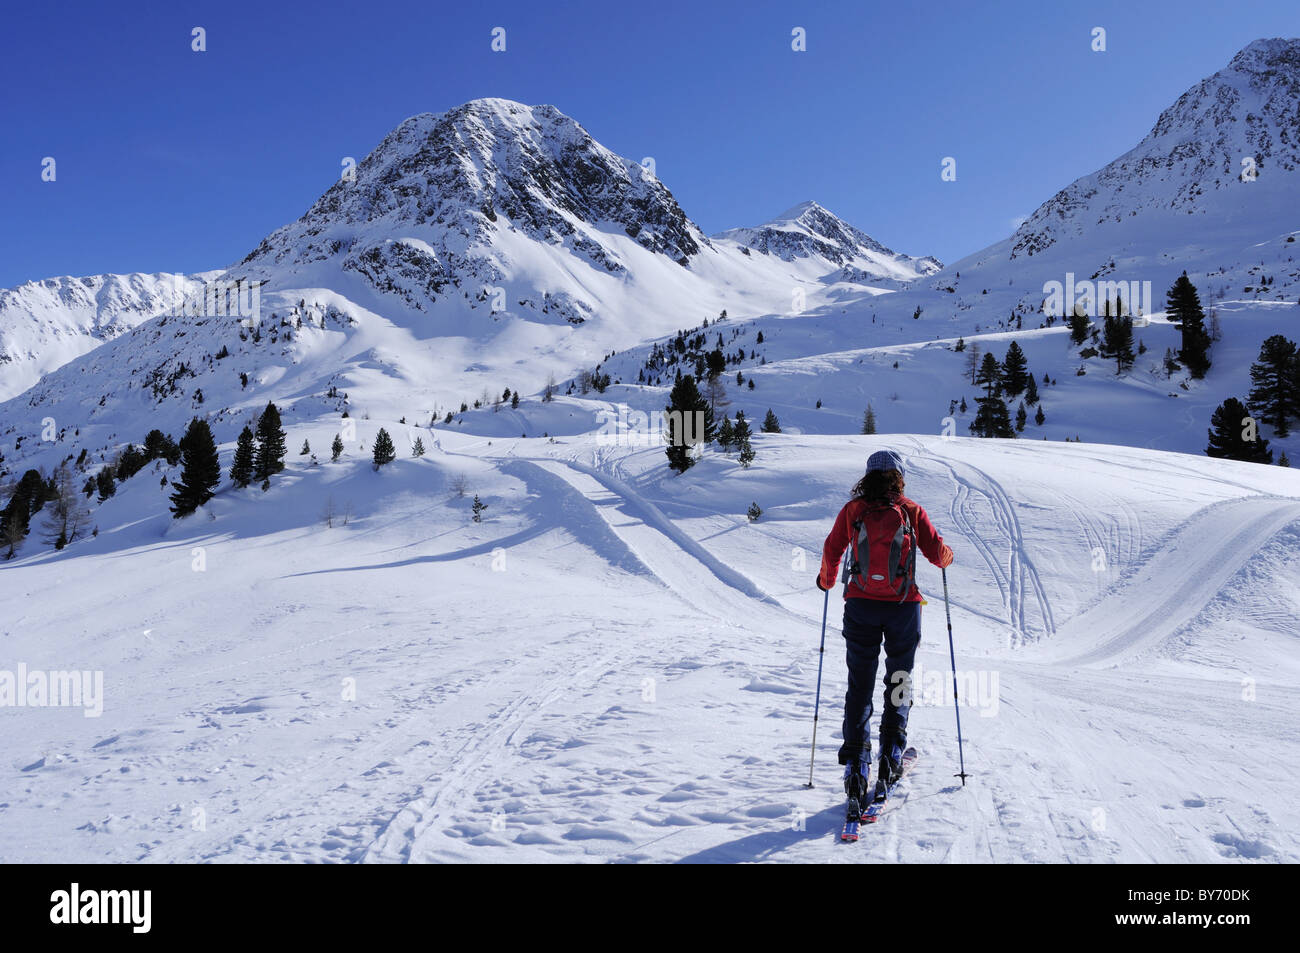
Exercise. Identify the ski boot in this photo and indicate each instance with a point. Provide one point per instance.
(857, 785)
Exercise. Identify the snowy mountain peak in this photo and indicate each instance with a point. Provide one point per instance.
(808, 230)
(797, 213)
(424, 208)
(1266, 55)
(1228, 148)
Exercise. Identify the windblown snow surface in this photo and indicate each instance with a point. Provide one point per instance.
(616, 665)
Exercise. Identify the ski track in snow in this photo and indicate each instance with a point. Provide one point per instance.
(1015, 573)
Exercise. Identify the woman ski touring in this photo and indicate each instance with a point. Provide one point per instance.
(882, 529)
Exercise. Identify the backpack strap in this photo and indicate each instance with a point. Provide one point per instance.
(908, 576)
(852, 566)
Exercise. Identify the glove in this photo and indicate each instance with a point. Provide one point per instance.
(945, 559)
(819, 583)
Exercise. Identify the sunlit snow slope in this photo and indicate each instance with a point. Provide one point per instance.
(617, 665)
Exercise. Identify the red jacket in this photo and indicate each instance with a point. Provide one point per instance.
(929, 542)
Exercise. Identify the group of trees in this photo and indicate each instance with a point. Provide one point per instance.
(1007, 378)
(737, 436)
(385, 452)
(1275, 396)
(28, 498)
(259, 454)
(691, 422)
(68, 516)
(690, 350)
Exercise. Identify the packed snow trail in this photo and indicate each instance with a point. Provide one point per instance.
(1170, 588)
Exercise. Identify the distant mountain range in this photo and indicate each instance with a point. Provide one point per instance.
(498, 244)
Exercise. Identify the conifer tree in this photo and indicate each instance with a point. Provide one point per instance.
(1117, 342)
(716, 362)
(306, 448)
(690, 422)
(157, 445)
(1022, 415)
(1183, 305)
(417, 449)
(336, 448)
(200, 469)
(1039, 416)
(1234, 435)
(1031, 391)
(992, 419)
(726, 434)
(770, 423)
(241, 468)
(1274, 380)
(1080, 325)
(869, 420)
(1015, 371)
(26, 501)
(990, 376)
(742, 435)
(105, 483)
(385, 452)
(477, 507)
(268, 459)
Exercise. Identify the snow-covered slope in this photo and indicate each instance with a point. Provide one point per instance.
(46, 324)
(1212, 189)
(617, 666)
(1226, 154)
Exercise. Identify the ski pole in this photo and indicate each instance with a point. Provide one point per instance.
(952, 656)
(821, 657)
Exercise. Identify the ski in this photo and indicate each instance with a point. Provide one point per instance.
(854, 817)
(877, 805)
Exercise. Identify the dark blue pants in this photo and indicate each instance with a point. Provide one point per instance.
(867, 624)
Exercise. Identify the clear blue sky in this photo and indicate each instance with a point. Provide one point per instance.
(171, 160)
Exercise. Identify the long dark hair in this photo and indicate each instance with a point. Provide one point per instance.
(877, 485)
